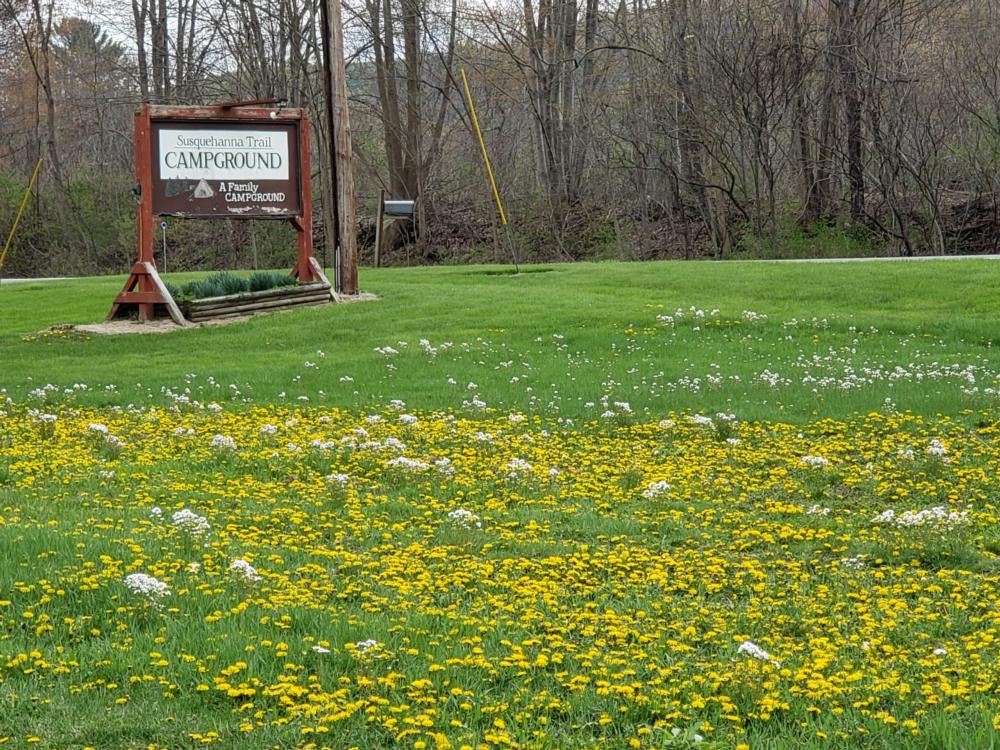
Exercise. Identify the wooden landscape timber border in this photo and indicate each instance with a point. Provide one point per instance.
(249, 303)
(144, 293)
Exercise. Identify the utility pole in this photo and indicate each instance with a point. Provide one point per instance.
(339, 127)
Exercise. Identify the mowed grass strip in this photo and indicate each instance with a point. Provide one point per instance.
(837, 339)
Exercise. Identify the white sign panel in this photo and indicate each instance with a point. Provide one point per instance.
(212, 154)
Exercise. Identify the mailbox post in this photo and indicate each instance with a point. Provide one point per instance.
(388, 212)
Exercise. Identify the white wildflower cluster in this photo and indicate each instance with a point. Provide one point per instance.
(244, 571)
(751, 649)
(407, 419)
(101, 429)
(374, 419)
(815, 461)
(773, 379)
(389, 444)
(190, 522)
(387, 351)
(341, 479)
(515, 418)
(817, 510)
(474, 403)
(181, 431)
(700, 420)
(444, 466)
(44, 391)
(754, 317)
(321, 649)
(322, 445)
(695, 313)
(364, 646)
(47, 419)
(937, 450)
(465, 518)
(156, 513)
(268, 429)
(906, 453)
(141, 584)
(114, 441)
(656, 489)
(858, 561)
(407, 464)
(517, 467)
(937, 517)
(483, 437)
(223, 443)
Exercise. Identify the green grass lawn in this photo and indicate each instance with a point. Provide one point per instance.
(768, 521)
(557, 339)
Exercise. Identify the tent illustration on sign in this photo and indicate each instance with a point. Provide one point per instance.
(203, 190)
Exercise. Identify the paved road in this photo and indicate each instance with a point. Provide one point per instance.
(28, 281)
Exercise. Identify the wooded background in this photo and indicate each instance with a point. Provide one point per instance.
(619, 128)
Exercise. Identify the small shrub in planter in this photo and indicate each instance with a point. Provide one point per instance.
(225, 284)
(263, 280)
(230, 284)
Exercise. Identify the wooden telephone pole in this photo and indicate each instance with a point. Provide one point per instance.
(339, 128)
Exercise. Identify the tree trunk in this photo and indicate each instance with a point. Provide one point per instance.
(412, 177)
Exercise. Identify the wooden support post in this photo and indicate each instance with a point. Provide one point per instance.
(144, 289)
(379, 229)
(341, 151)
(303, 224)
(144, 210)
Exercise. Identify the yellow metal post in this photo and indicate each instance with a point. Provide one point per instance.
(20, 212)
(482, 145)
(489, 171)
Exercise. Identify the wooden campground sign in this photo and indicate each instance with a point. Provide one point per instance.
(230, 169)
(225, 161)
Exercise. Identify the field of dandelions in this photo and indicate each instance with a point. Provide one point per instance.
(202, 567)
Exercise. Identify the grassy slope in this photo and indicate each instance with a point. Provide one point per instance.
(605, 311)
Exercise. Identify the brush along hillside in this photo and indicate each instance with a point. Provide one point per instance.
(739, 506)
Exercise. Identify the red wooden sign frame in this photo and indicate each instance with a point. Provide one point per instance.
(145, 291)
